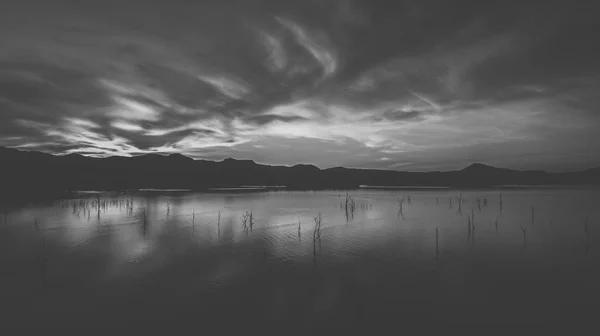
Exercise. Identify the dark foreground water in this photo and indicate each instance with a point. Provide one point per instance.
(184, 262)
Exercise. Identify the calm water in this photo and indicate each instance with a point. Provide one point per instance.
(184, 261)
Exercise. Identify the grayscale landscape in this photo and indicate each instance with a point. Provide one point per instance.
(299, 167)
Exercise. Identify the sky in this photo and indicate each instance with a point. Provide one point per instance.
(386, 84)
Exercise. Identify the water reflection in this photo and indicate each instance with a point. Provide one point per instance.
(292, 254)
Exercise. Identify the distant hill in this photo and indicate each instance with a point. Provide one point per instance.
(480, 168)
(28, 171)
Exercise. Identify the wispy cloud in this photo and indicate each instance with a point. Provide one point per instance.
(126, 126)
(132, 110)
(277, 60)
(315, 44)
(416, 86)
(228, 87)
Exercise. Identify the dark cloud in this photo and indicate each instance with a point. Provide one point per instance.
(180, 86)
(42, 85)
(399, 115)
(44, 95)
(265, 119)
(390, 81)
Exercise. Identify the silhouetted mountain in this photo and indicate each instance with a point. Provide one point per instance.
(231, 162)
(180, 157)
(306, 166)
(29, 172)
(592, 171)
(481, 168)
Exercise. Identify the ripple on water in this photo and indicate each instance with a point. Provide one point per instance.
(354, 267)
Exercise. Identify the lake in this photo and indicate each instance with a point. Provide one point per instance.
(252, 262)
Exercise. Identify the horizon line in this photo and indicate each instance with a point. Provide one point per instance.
(165, 154)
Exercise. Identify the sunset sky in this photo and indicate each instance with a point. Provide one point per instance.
(391, 84)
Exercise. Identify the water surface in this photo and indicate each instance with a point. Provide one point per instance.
(181, 260)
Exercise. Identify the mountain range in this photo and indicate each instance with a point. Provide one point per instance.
(30, 171)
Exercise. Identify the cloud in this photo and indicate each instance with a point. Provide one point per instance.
(316, 45)
(396, 84)
(226, 86)
(126, 126)
(265, 119)
(277, 58)
(133, 110)
(401, 115)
